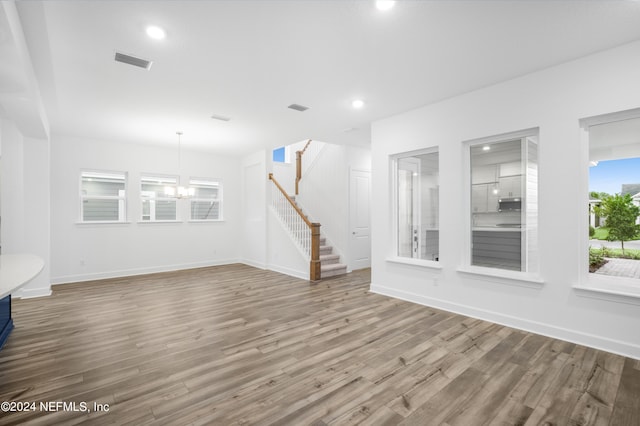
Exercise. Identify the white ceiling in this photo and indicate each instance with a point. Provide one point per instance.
(249, 60)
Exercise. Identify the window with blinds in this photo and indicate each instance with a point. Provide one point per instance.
(103, 196)
(157, 206)
(206, 203)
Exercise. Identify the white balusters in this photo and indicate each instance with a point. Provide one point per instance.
(299, 230)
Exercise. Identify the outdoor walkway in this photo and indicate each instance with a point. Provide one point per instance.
(621, 268)
(634, 244)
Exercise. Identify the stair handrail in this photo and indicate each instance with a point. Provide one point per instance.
(314, 228)
(299, 163)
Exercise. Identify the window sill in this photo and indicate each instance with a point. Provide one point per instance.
(614, 289)
(104, 222)
(159, 221)
(415, 262)
(506, 277)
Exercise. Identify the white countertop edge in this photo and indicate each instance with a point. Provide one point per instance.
(16, 270)
(497, 229)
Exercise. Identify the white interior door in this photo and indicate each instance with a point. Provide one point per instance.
(360, 232)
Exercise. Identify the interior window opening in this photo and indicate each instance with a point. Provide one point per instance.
(504, 203)
(418, 190)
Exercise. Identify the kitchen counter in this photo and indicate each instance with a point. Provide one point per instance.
(494, 228)
(15, 271)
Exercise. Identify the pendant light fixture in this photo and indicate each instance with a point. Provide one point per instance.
(179, 191)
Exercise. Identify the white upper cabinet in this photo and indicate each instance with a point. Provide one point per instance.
(511, 186)
(484, 174)
(479, 200)
(510, 169)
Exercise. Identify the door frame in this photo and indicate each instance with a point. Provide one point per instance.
(350, 260)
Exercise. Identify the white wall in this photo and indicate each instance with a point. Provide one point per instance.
(324, 192)
(553, 100)
(92, 251)
(255, 182)
(24, 189)
(13, 220)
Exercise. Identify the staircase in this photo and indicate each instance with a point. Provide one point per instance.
(330, 265)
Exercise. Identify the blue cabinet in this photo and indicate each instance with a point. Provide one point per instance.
(6, 323)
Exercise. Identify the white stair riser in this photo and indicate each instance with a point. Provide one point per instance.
(333, 272)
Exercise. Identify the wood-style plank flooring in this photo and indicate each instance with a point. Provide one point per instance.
(235, 345)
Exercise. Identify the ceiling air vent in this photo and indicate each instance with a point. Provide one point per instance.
(132, 60)
(297, 107)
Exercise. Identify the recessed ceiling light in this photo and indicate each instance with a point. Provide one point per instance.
(385, 4)
(220, 117)
(155, 32)
(486, 148)
(358, 103)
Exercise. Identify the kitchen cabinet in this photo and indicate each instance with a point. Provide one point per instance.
(479, 198)
(511, 187)
(484, 174)
(513, 168)
(497, 249)
(15, 271)
(484, 198)
(493, 195)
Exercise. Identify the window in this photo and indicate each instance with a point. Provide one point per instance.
(156, 205)
(417, 205)
(504, 202)
(614, 200)
(282, 155)
(206, 203)
(102, 196)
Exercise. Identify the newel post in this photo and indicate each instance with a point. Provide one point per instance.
(314, 274)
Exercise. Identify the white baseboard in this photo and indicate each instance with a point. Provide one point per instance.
(67, 279)
(598, 342)
(29, 293)
(253, 263)
(288, 271)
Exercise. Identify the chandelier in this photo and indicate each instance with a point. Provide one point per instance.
(178, 191)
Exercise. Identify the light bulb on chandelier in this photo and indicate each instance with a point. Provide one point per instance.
(178, 191)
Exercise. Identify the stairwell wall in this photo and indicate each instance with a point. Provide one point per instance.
(324, 192)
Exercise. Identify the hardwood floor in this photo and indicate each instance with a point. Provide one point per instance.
(235, 345)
